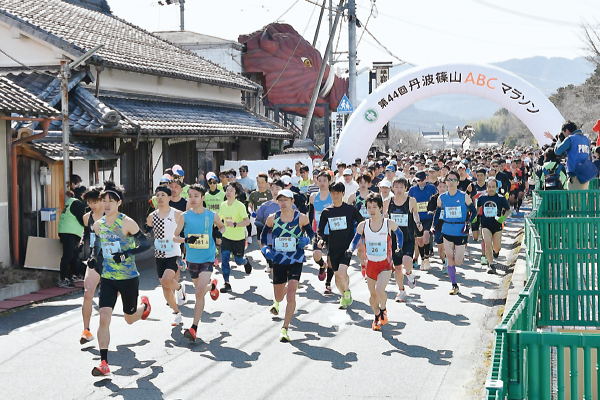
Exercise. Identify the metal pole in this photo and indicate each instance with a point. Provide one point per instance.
(330, 55)
(319, 23)
(315, 94)
(181, 9)
(64, 91)
(352, 51)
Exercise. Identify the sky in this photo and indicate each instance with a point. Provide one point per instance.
(419, 32)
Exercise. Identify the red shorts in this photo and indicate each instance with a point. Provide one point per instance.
(374, 268)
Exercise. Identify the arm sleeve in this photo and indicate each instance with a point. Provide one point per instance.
(309, 231)
(399, 237)
(142, 244)
(355, 241)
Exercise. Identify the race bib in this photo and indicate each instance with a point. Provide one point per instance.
(92, 239)
(422, 206)
(363, 211)
(202, 241)
(376, 248)
(165, 245)
(303, 189)
(453, 212)
(400, 219)
(490, 211)
(337, 223)
(110, 248)
(285, 244)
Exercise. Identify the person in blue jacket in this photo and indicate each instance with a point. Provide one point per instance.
(580, 167)
(422, 193)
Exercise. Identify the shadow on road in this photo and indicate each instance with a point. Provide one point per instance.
(144, 390)
(316, 353)
(251, 296)
(432, 316)
(435, 357)
(221, 353)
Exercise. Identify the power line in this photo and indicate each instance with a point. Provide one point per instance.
(386, 49)
(26, 66)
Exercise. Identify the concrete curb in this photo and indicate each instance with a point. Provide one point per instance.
(19, 289)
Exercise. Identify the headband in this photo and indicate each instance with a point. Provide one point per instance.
(115, 193)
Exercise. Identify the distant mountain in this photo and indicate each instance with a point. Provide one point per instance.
(547, 74)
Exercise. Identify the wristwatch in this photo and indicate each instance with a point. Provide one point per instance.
(235, 224)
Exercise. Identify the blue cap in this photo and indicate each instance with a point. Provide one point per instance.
(390, 168)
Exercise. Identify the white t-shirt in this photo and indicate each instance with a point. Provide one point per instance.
(351, 188)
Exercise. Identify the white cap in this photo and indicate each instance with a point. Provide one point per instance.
(400, 174)
(429, 161)
(371, 163)
(385, 183)
(285, 192)
(347, 171)
(339, 161)
(211, 175)
(286, 180)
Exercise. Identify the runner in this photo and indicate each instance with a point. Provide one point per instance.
(318, 202)
(215, 196)
(304, 182)
(287, 253)
(479, 188)
(92, 276)
(402, 209)
(177, 201)
(376, 232)
(358, 200)
(179, 175)
(455, 229)
(341, 219)
(234, 215)
(163, 222)
(197, 225)
(438, 220)
(422, 193)
(493, 209)
(119, 239)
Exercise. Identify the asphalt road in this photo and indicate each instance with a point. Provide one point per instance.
(434, 346)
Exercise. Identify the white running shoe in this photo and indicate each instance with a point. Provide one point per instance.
(425, 265)
(249, 239)
(401, 296)
(180, 295)
(176, 319)
(411, 282)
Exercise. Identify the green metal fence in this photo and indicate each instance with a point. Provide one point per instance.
(563, 288)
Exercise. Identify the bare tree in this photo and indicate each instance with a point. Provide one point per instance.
(591, 38)
(407, 141)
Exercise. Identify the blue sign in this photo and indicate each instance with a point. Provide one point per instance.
(345, 107)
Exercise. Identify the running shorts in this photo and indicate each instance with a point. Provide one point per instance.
(163, 264)
(493, 226)
(426, 227)
(236, 247)
(457, 240)
(374, 268)
(196, 269)
(128, 288)
(283, 273)
(337, 259)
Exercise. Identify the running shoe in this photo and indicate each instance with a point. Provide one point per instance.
(146, 301)
(226, 288)
(376, 324)
(322, 274)
(484, 261)
(86, 336)
(214, 292)
(65, 284)
(248, 267)
(343, 304)
(411, 282)
(249, 239)
(415, 264)
(190, 334)
(401, 296)
(216, 263)
(425, 265)
(454, 290)
(445, 267)
(180, 295)
(284, 338)
(102, 369)
(275, 308)
(176, 319)
(492, 270)
(348, 297)
(383, 319)
(78, 278)
(328, 288)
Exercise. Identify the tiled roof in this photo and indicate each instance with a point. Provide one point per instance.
(77, 151)
(126, 46)
(14, 99)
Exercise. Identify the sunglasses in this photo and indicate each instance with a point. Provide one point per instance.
(230, 176)
(451, 180)
(412, 172)
(212, 181)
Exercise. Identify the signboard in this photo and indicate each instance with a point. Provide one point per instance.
(345, 107)
(382, 75)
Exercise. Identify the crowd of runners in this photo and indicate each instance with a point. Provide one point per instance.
(394, 210)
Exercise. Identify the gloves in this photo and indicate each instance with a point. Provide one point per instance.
(253, 214)
(119, 257)
(501, 219)
(303, 241)
(268, 252)
(191, 239)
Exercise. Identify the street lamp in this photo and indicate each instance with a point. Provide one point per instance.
(181, 8)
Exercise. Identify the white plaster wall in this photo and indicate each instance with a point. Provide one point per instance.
(228, 58)
(158, 171)
(117, 80)
(26, 49)
(82, 168)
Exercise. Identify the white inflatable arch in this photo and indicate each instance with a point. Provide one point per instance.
(508, 90)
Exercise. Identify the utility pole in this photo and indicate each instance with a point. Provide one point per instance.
(317, 88)
(330, 55)
(352, 51)
(181, 9)
(65, 73)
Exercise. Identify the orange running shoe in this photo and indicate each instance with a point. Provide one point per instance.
(214, 292)
(376, 324)
(102, 369)
(146, 301)
(383, 317)
(86, 337)
(190, 334)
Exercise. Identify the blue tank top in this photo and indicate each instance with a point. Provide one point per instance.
(455, 213)
(319, 205)
(422, 196)
(201, 226)
(285, 239)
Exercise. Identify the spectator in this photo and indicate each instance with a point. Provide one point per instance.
(247, 183)
(553, 173)
(596, 157)
(580, 168)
